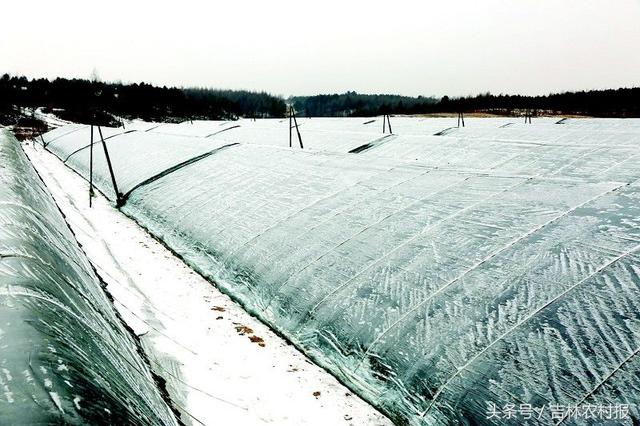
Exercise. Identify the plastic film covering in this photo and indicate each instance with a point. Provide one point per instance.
(65, 358)
(141, 126)
(66, 141)
(557, 134)
(138, 156)
(59, 132)
(608, 162)
(331, 141)
(604, 124)
(402, 125)
(195, 128)
(352, 134)
(71, 142)
(338, 135)
(499, 268)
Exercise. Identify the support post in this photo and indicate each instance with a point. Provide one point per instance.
(389, 123)
(297, 130)
(384, 123)
(119, 200)
(91, 169)
(290, 125)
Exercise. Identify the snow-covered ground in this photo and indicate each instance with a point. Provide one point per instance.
(222, 366)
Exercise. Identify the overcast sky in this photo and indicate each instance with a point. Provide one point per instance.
(327, 46)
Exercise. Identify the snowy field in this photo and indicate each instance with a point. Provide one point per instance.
(436, 271)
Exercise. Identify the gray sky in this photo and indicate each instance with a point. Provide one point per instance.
(326, 46)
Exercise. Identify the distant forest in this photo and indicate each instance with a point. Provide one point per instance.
(596, 103)
(90, 101)
(352, 104)
(85, 101)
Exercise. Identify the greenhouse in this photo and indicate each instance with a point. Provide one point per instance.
(66, 358)
(435, 271)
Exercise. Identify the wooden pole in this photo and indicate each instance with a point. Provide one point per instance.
(91, 169)
(389, 122)
(528, 116)
(297, 130)
(113, 178)
(460, 118)
(290, 126)
(384, 123)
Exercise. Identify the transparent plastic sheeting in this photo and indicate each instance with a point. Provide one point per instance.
(557, 134)
(65, 358)
(69, 143)
(608, 162)
(419, 126)
(66, 141)
(59, 132)
(136, 157)
(605, 123)
(195, 128)
(339, 134)
(315, 140)
(490, 271)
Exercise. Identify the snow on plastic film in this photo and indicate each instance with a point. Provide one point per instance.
(437, 276)
(65, 356)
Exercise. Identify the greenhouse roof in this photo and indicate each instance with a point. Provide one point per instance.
(433, 274)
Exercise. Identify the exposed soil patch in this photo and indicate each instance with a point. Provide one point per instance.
(243, 329)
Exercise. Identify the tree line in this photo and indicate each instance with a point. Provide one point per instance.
(352, 104)
(623, 102)
(596, 103)
(83, 100)
(94, 101)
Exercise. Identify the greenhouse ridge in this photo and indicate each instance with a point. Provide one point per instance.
(493, 263)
